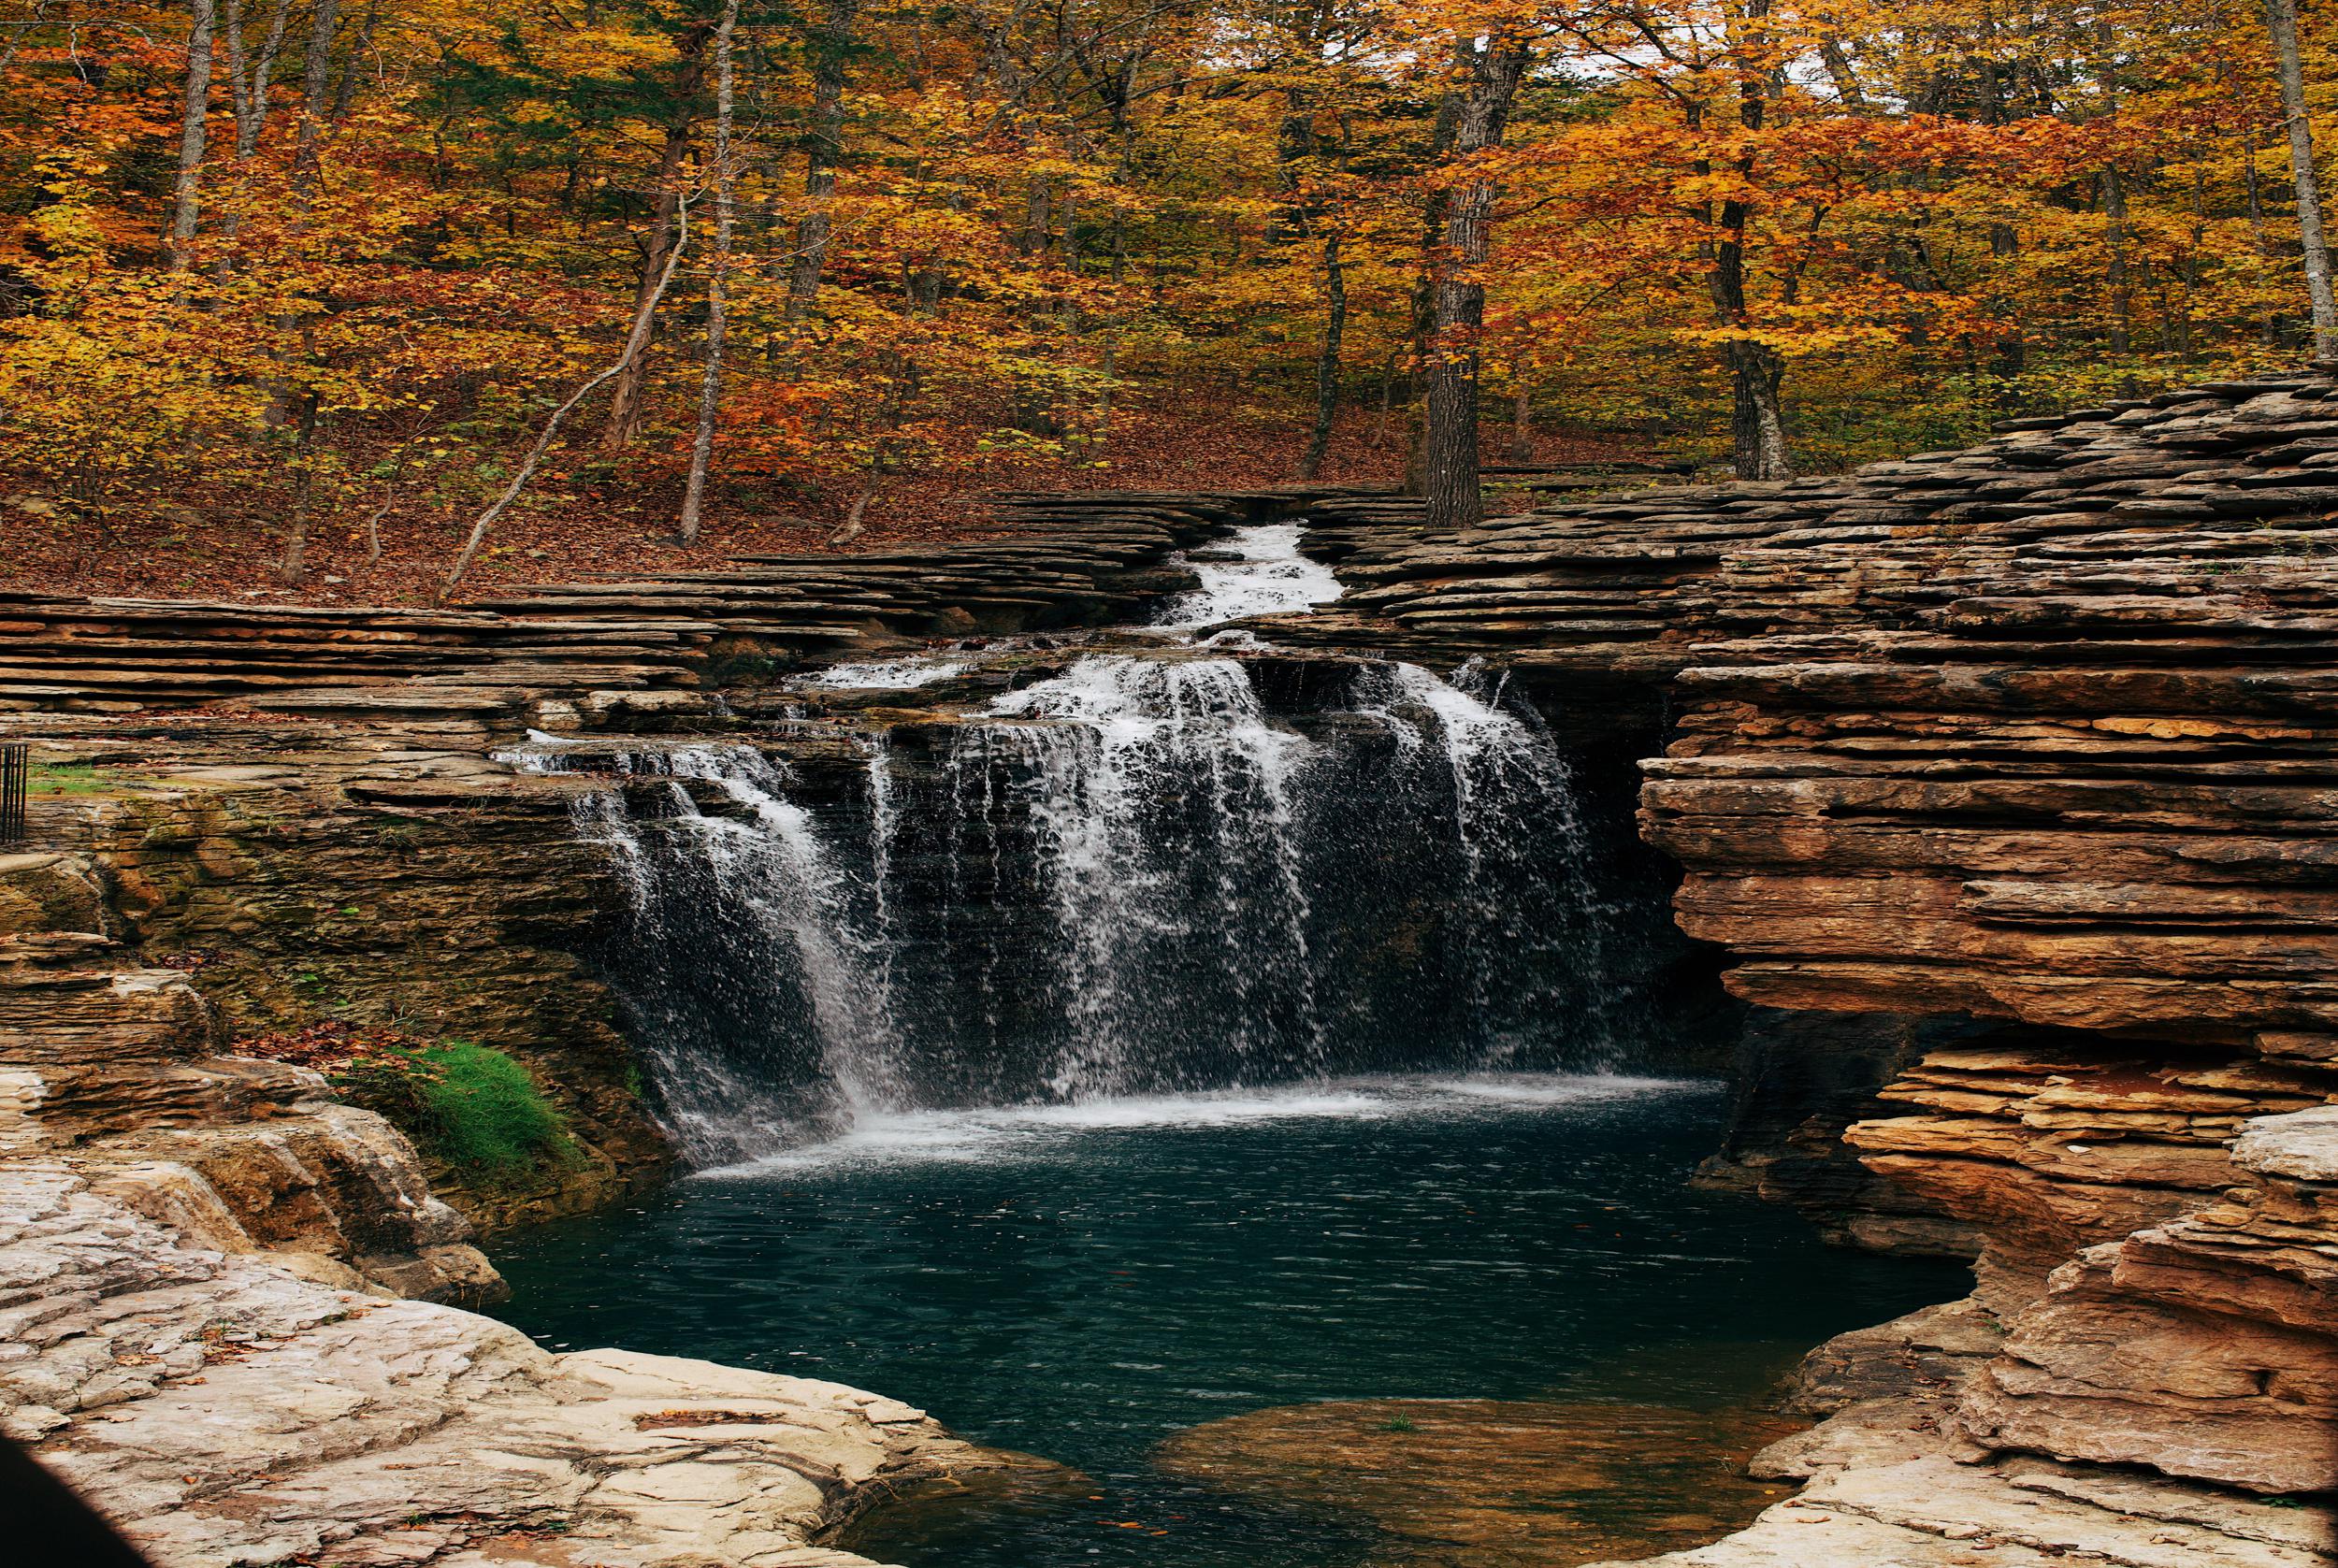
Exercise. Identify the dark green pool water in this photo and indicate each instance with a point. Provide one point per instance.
(1083, 1282)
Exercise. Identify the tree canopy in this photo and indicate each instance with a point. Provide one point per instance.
(334, 264)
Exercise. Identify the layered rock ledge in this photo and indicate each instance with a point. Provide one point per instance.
(223, 1410)
(2015, 762)
(1998, 778)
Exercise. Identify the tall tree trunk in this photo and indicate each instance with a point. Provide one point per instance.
(717, 278)
(249, 92)
(293, 567)
(1327, 360)
(627, 407)
(623, 422)
(1757, 425)
(316, 78)
(2122, 287)
(1522, 423)
(1451, 480)
(345, 90)
(823, 149)
(1839, 72)
(2281, 20)
(1423, 306)
(304, 168)
(192, 134)
(2011, 352)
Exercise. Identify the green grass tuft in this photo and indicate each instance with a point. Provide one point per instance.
(83, 779)
(472, 1106)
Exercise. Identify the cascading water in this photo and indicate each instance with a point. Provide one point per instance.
(1533, 919)
(1166, 1055)
(1146, 872)
(1159, 799)
(1260, 571)
(743, 933)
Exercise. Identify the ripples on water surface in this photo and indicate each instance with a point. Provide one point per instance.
(1145, 1289)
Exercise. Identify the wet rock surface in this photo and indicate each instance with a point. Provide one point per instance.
(1495, 1484)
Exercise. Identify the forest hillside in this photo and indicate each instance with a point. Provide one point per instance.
(393, 299)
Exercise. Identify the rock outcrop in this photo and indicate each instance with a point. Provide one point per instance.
(220, 1318)
(2205, 1345)
(116, 1069)
(1891, 1479)
(223, 1410)
(384, 875)
(2053, 1145)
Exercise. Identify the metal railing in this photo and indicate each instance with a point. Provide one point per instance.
(16, 770)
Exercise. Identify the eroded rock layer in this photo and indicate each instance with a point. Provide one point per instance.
(1999, 779)
(2019, 762)
(223, 1410)
(303, 873)
(648, 642)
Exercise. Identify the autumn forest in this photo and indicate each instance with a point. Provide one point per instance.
(389, 299)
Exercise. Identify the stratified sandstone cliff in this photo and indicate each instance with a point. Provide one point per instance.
(2019, 762)
(2000, 782)
(375, 873)
(2205, 1345)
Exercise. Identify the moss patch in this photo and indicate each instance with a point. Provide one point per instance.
(81, 779)
(472, 1106)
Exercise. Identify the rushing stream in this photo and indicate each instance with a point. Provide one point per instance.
(1133, 876)
(1208, 1071)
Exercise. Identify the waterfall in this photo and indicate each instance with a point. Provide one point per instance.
(1529, 912)
(1160, 801)
(1139, 875)
(755, 974)
(1260, 571)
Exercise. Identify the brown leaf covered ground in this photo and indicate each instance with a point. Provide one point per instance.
(225, 544)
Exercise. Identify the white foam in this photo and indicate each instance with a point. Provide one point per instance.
(1267, 576)
(1050, 1131)
(889, 674)
(1526, 1088)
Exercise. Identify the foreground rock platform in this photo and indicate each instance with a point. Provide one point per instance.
(1894, 1479)
(224, 1411)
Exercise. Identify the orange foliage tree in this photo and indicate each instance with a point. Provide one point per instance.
(332, 265)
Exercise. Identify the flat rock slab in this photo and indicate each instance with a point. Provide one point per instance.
(225, 1411)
